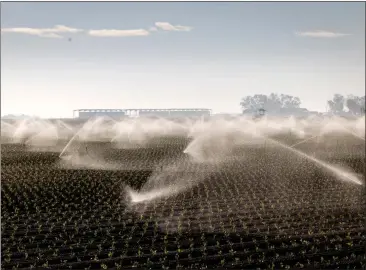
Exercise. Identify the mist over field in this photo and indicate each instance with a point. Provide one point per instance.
(209, 142)
(219, 179)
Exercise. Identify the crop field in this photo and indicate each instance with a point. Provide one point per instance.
(193, 194)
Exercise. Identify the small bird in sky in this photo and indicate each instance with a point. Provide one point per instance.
(70, 39)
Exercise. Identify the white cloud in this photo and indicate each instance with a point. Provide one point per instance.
(42, 32)
(169, 27)
(321, 34)
(58, 30)
(118, 33)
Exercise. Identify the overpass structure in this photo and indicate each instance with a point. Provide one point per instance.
(121, 113)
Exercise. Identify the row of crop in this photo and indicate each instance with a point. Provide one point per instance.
(324, 238)
(83, 221)
(214, 204)
(55, 187)
(92, 242)
(177, 246)
(82, 234)
(204, 255)
(249, 224)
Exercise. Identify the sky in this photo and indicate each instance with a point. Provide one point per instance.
(61, 56)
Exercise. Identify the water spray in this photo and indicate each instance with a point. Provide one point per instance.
(303, 141)
(339, 173)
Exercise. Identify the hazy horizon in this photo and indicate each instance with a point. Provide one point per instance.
(58, 57)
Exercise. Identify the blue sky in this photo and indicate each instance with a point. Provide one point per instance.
(181, 54)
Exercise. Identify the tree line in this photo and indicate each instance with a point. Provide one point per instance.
(339, 104)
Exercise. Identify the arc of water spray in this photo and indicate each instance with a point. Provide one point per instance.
(130, 130)
(354, 134)
(303, 141)
(71, 140)
(350, 177)
(338, 172)
(63, 124)
(313, 137)
(73, 137)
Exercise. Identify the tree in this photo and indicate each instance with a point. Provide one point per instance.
(355, 104)
(290, 102)
(273, 102)
(253, 102)
(336, 105)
